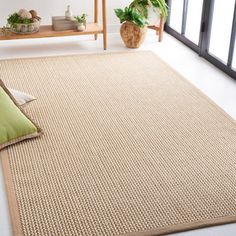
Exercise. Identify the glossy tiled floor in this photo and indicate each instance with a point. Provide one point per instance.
(214, 83)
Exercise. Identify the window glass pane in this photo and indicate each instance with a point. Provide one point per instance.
(176, 15)
(221, 28)
(234, 58)
(193, 23)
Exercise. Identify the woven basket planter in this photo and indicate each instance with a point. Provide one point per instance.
(132, 35)
(26, 28)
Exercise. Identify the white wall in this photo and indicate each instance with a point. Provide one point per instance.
(48, 8)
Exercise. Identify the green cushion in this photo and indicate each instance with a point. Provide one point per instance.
(15, 126)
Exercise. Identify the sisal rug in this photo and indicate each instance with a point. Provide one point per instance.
(129, 148)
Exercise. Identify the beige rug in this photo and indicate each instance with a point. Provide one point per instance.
(130, 148)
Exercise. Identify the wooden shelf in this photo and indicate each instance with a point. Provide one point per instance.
(47, 31)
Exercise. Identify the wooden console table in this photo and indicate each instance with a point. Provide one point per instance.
(46, 31)
(159, 28)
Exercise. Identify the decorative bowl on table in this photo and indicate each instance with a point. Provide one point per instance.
(24, 22)
(25, 28)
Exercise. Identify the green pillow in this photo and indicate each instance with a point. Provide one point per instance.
(15, 126)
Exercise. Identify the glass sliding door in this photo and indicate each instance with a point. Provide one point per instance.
(185, 20)
(208, 27)
(221, 26)
(193, 20)
(234, 57)
(220, 36)
(175, 20)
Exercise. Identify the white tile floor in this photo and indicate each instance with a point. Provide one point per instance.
(214, 83)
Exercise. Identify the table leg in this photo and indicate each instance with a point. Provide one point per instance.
(104, 23)
(95, 16)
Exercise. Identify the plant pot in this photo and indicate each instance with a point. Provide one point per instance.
(132, 35)
(81, 26)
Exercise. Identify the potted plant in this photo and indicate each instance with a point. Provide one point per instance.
(6, 31)
(134, 26)
(81, 22)
(151, 9)
(24, 22)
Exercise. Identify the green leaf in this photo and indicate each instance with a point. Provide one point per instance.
(131, 14)
(142, 6)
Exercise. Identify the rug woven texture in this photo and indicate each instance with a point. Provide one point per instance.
(129, 146)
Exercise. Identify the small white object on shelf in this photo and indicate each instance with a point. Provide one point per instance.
(68, 13)
(81, 27)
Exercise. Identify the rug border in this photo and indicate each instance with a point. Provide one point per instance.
(17, 227)
(11, 195)
(184, 227)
